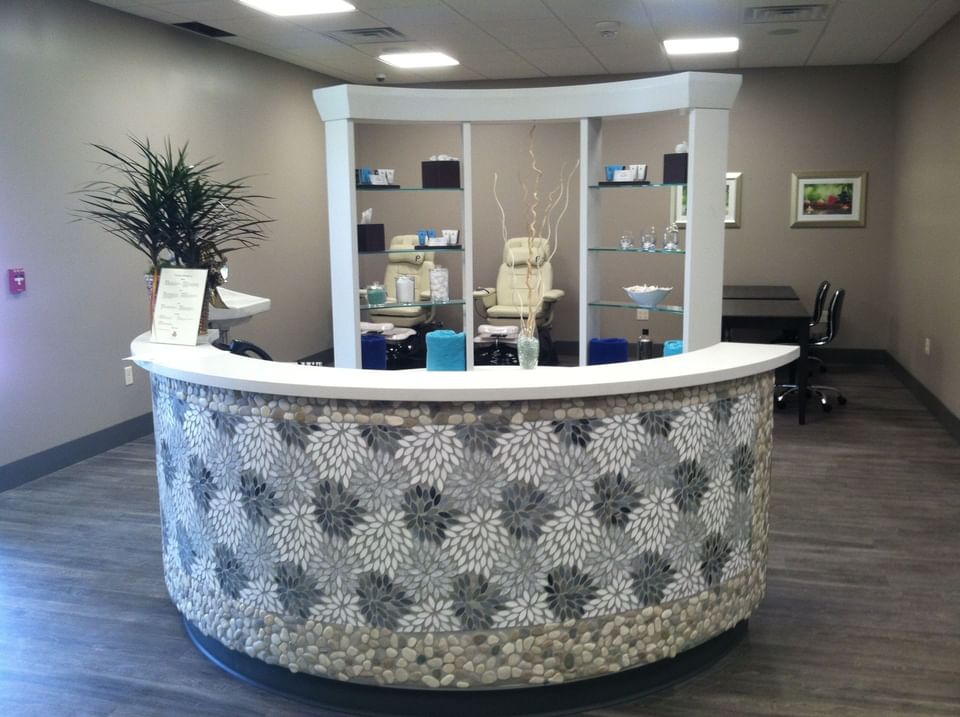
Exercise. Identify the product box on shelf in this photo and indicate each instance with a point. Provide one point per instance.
(440, 174)
(370, 237)
(675, 168)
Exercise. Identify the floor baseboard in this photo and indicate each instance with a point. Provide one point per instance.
(53, 459)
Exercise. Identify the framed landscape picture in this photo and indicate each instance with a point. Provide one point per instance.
(828, 199)
(678, 205)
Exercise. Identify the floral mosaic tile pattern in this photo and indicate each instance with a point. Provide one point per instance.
(426, 519)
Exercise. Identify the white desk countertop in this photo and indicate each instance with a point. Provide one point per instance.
(209, 366)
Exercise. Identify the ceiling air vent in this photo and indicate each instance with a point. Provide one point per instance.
(201, 29)
(367, 35)
(786, 13)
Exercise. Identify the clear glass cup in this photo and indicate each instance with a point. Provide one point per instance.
(671, 239)
(626, 240)
(648, 241)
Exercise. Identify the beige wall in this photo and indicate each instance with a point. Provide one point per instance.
(75, 73)
(925, 260)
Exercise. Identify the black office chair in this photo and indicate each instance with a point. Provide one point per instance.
(821, 392)
(815, 316)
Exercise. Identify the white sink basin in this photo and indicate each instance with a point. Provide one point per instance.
(240, 307)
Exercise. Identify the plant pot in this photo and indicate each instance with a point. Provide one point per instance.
(528, 350)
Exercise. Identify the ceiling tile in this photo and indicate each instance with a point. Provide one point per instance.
(635, 58)
(337, 21)
(411, 16)
(505, 64)
(860, 30)
(144, 11)
(597, 10)
(685, 19)
(375, 6)
(558, 62)
(760, 48)
(456, 39)
(530, 34)
(482, 31)
(207, 10)
(500, 9)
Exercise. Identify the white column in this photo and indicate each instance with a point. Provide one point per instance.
(342, 222)
(466, 240)
(590, 279)
(706, 195)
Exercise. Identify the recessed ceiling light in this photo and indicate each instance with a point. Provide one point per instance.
(289, 8)
(701, 45)
(410, 60)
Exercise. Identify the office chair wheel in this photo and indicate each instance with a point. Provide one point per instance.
(827, 408)
(841, 400)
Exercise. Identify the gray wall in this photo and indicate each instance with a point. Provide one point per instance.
(924, 276)
(75, 73)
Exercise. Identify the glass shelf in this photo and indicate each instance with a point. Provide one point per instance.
(424, 304)
(634, 185)
(635, 250)
(663, 309)
(398, 188)
(417, 250)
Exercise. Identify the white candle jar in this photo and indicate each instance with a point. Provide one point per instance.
(406, 289)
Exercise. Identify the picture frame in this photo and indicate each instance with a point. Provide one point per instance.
(828, 199)
(678, 202)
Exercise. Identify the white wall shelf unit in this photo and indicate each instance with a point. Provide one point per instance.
(706, 98)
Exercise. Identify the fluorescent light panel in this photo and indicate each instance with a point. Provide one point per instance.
(701, 45)
(411, 60)
(290, 8)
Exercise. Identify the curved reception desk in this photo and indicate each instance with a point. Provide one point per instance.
(336, 534)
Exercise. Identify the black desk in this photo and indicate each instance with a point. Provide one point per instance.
(777, 314)
(757, 291)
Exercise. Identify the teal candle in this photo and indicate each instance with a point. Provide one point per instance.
(376, 296)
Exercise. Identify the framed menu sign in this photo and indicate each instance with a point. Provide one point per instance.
(176, 316)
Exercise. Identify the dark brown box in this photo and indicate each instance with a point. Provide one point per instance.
(440, 174)
(370, 237)
(675, 168)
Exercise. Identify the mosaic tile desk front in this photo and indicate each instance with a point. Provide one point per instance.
(464, 545)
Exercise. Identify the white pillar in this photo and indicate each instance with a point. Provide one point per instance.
(706, 199)
(342, 222)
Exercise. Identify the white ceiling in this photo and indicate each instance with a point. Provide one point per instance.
(512, 39)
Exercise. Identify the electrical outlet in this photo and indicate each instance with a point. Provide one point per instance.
(128, 375)
(926, 346)
(643, 314)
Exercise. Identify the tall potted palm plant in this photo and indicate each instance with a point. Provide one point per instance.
(173, 211)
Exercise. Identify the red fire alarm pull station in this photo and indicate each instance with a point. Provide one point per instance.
(18, 280)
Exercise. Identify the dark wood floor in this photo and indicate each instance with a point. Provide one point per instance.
(862, 615)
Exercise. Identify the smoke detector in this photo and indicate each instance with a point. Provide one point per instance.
(608, 29)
